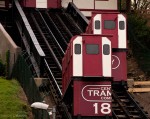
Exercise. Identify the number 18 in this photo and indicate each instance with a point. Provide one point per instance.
(105, 108)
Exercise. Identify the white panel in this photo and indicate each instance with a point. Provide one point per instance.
(84, 4)
(77, 59)
(106, 59)
(122, 37)
(106, 5)
(64, 3)
(41, 3)
(97, 17)
(87, 13)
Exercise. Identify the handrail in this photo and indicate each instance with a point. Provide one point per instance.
(32, 45)
(51, 33)
(59, 94)
(28, 27)
(53, 54)
(76, 14)
(56, 28)
(59, 90)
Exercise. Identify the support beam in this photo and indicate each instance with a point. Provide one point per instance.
(139, 90)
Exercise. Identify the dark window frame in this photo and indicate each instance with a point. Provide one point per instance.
(97, 24)
(91, 51)
(77, 49)
(106, 49)
(122, 25)
(107, 26)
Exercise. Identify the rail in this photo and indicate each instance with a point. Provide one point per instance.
(51, 33)
(144, 116)
(32, 45)
(78, 16)
(124, 106)
(57, 94)
(47, 43)
(55, 29)
(57, 89)
(52, 68)
(61, 26)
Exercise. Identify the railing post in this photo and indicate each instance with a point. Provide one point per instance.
(54, 112)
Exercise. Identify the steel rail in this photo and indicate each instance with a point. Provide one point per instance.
(59, 33)
(50, 48)
(62, 51)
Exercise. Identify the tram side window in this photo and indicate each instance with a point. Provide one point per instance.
(77, 49)
(121, 25)
(106, 49)
(97, 24)
(109, 24)
(92, 49)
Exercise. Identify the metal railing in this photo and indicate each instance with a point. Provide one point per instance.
(77, 16)
(29, 39)
(22, 72)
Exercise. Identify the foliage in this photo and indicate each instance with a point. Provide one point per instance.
(123, 4)
(140, 4)
(138, 25)
(12, 107)
(7, 64)
(2, 68)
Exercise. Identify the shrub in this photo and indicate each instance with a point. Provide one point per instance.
(2, 68)
(138, 25)
(7, 64)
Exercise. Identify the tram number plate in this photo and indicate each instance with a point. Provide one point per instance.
(104, 108)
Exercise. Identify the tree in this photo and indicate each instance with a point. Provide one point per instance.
(128, 5)
(140, 4)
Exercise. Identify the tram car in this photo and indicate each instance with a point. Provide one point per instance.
(113, 23)
(87, 75)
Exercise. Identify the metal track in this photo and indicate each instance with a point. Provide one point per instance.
(60, 25)
(52, 25)
(124, 106)
(70, 23)
(52, 50)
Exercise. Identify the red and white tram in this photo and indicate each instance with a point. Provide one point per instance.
(87, 68)
(115, 24)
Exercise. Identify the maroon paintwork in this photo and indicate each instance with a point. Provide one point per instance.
(91, 97)
(114, 32)
(28, 3)
(50, 3)
(119, 66)
(92, 64)
(53, 3)
(109, 15)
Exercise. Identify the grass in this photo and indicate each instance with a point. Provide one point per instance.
(11, 106)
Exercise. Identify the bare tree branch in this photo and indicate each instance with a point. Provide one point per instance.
(140, 4)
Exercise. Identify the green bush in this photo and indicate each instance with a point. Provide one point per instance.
(2, 68)
(138, 25)
(7, 64)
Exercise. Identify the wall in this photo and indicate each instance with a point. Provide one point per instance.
(6, 43)
(87, 6)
